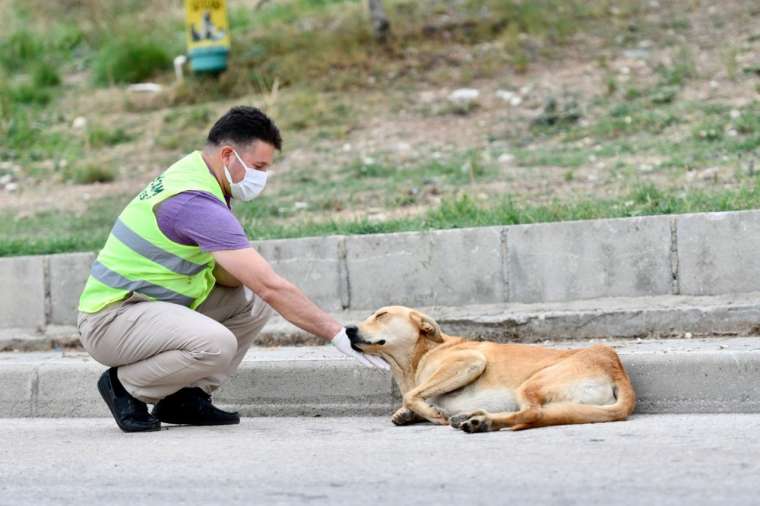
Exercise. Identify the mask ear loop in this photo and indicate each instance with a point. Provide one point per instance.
(241, 161)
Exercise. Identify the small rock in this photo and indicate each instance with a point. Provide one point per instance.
(636, 54)
(688, 335)
(509, 97)
(79, 123)
(145, 87)
(735, 113)
(464, 95)
(505, 158)
(300, 205)
(11, 187)
(346, 147)
(403, 146)
(7, 178)
(645, 167)
(368, 160)
(505, 95)
(711, 173)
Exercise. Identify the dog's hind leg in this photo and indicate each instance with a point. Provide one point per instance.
(556, 395)
(458, 370)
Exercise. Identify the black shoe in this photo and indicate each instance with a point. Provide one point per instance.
(131, 415)
(192, 406)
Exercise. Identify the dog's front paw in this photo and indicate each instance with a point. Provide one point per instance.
(405, 416)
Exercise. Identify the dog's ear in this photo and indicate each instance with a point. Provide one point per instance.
(428, 327)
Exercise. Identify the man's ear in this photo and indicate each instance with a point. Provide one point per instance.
(428, 327)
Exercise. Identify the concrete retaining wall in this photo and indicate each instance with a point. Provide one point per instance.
(699, 254)
(669, 376)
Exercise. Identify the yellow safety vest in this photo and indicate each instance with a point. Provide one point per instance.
(138, 257)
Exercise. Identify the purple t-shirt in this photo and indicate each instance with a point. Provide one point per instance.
(198, 218)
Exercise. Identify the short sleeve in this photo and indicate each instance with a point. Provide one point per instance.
(200, 219)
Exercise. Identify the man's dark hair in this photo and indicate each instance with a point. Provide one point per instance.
(243, 124)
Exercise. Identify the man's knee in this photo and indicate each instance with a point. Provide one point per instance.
(216, 349)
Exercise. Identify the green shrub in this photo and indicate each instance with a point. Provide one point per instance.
(749, 121)
(28, 93)
(91, 173)
(20, 49)
(129, 59)
(45, 74)
(99, 136)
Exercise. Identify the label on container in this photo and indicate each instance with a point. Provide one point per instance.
(207, 24)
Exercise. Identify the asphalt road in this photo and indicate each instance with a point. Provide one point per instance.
(648, 460)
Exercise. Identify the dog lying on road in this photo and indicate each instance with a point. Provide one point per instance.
(487, 386)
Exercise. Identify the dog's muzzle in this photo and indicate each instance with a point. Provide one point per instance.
(352, 331)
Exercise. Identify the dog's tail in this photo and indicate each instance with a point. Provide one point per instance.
(626, 398)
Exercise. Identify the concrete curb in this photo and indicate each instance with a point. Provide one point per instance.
(681, 255)
(670, 376)
(660, 316)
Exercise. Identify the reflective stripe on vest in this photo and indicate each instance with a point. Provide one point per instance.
(154, 253)
(116, 280)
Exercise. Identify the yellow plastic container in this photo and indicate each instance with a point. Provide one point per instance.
(208, 34)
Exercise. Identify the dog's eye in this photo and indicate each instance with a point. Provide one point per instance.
(380, 315)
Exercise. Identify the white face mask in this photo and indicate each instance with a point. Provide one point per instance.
(252, 184)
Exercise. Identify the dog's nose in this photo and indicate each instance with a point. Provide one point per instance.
(352, 331)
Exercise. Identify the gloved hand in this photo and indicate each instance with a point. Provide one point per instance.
(342, 342)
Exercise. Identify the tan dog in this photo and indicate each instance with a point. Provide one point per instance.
(488, 386)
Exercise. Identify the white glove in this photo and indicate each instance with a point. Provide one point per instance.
(343, 344)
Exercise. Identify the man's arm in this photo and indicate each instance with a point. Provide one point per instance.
(255, 272)
(224, 278)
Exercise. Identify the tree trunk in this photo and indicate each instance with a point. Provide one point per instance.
(380, 24)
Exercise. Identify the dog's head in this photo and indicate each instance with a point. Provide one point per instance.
(395, 333)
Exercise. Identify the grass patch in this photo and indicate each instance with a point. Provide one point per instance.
(287, 41)
(45, 74)
(99, 136)
(305, 109)
(54, 232)
(59, 232)
(130, 58)
(90, 173)
(20, 49)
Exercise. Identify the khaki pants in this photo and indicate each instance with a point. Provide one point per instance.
(160, 347)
